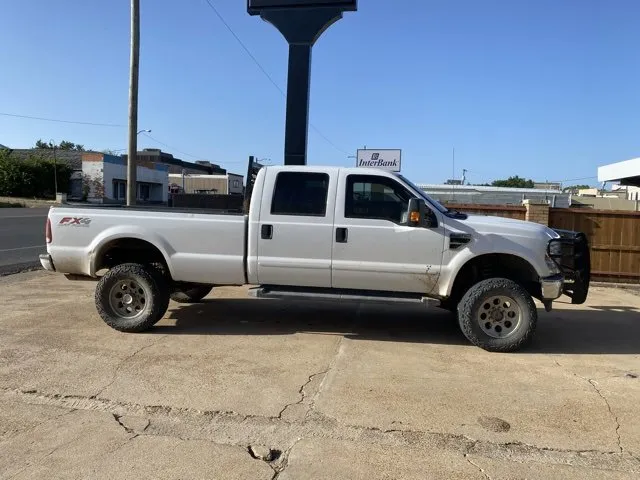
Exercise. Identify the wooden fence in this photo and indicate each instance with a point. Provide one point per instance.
(614, 236)
(508, 211)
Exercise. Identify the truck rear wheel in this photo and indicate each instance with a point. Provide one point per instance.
(131, 297)
(498, 315)
(190, 292)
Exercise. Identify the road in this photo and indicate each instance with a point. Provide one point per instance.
(21, 237)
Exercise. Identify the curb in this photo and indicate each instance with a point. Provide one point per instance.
(20, 268)
(623, 286)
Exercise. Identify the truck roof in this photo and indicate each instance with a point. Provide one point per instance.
(332, 169)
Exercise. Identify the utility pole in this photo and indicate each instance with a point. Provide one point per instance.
(133, 103)
(55, 167)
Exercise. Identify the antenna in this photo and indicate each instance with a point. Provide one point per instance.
(453, 174)
(453, 163)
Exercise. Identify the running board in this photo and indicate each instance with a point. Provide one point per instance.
(340, 295)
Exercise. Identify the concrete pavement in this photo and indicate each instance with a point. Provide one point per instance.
(21, 237)
(244, 388)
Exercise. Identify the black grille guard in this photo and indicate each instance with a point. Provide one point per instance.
(571, 253)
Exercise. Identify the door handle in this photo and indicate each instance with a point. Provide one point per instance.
(341, 235)
(266, 232)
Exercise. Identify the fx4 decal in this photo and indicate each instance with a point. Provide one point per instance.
(74, 222)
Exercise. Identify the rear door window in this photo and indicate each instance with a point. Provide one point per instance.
(300, 193)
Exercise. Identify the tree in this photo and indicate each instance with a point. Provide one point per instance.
(92, 187)
(575, 188)
(513, 182)
(32, 177)
(64, 145)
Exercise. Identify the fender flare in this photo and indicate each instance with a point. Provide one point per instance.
(122, 232)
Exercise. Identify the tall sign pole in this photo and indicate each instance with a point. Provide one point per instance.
(133, 103)
(301, 22)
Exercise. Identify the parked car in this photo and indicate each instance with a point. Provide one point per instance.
(323, 233)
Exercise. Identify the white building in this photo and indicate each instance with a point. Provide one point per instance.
(624, 173)
(485, 195)
(104, 179)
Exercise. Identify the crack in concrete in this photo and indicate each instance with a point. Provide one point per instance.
(486, 475)
(594, 384)
(125, 360)
(81, 402)
(335, 358)
(117, 417)
(232, 428)
(284, 461)
(302, 392)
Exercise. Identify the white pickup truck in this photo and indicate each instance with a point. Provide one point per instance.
(323, 233)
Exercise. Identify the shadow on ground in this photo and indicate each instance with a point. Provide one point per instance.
(597, 330)
(279, 317)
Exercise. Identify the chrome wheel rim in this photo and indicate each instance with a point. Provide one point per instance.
(128, 298)
(499, 316)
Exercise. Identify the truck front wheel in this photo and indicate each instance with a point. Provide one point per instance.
(132, 298)
(190, 292)
(498, 315)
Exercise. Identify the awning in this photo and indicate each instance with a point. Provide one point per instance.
(624, 173)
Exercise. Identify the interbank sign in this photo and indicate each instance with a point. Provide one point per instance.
(386, 159)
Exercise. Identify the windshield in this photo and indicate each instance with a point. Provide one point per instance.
(422, 193)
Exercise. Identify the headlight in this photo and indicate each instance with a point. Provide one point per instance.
(551, 265)
(555, 248)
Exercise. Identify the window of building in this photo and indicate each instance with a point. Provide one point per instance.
(236, 183)
(144, 191)
(119, 190)
(300, 193)
(376, 198)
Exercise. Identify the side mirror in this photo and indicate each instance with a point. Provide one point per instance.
(416, 214)
(419, 215)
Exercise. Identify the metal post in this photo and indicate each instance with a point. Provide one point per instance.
(301, 23)
(133, 103)
(296, 130)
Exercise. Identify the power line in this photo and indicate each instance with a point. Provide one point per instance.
(576, 179)
(169, 146)
(62, 121)
(264, 71)
(327, 140)
(30, 117)
(255, 60)
(180, 151)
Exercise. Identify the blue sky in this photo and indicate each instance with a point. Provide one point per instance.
(544, 89)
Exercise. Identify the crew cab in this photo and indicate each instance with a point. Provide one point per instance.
(323, 233)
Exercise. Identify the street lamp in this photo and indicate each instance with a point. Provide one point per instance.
(143, 131)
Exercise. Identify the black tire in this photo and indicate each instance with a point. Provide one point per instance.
(190, 293)
(153, 299)
(486, 298)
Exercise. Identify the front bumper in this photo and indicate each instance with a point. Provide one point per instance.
(47, 262)
(552, 287)
(571, 253)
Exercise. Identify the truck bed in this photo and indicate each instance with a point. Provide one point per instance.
(198, 245)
